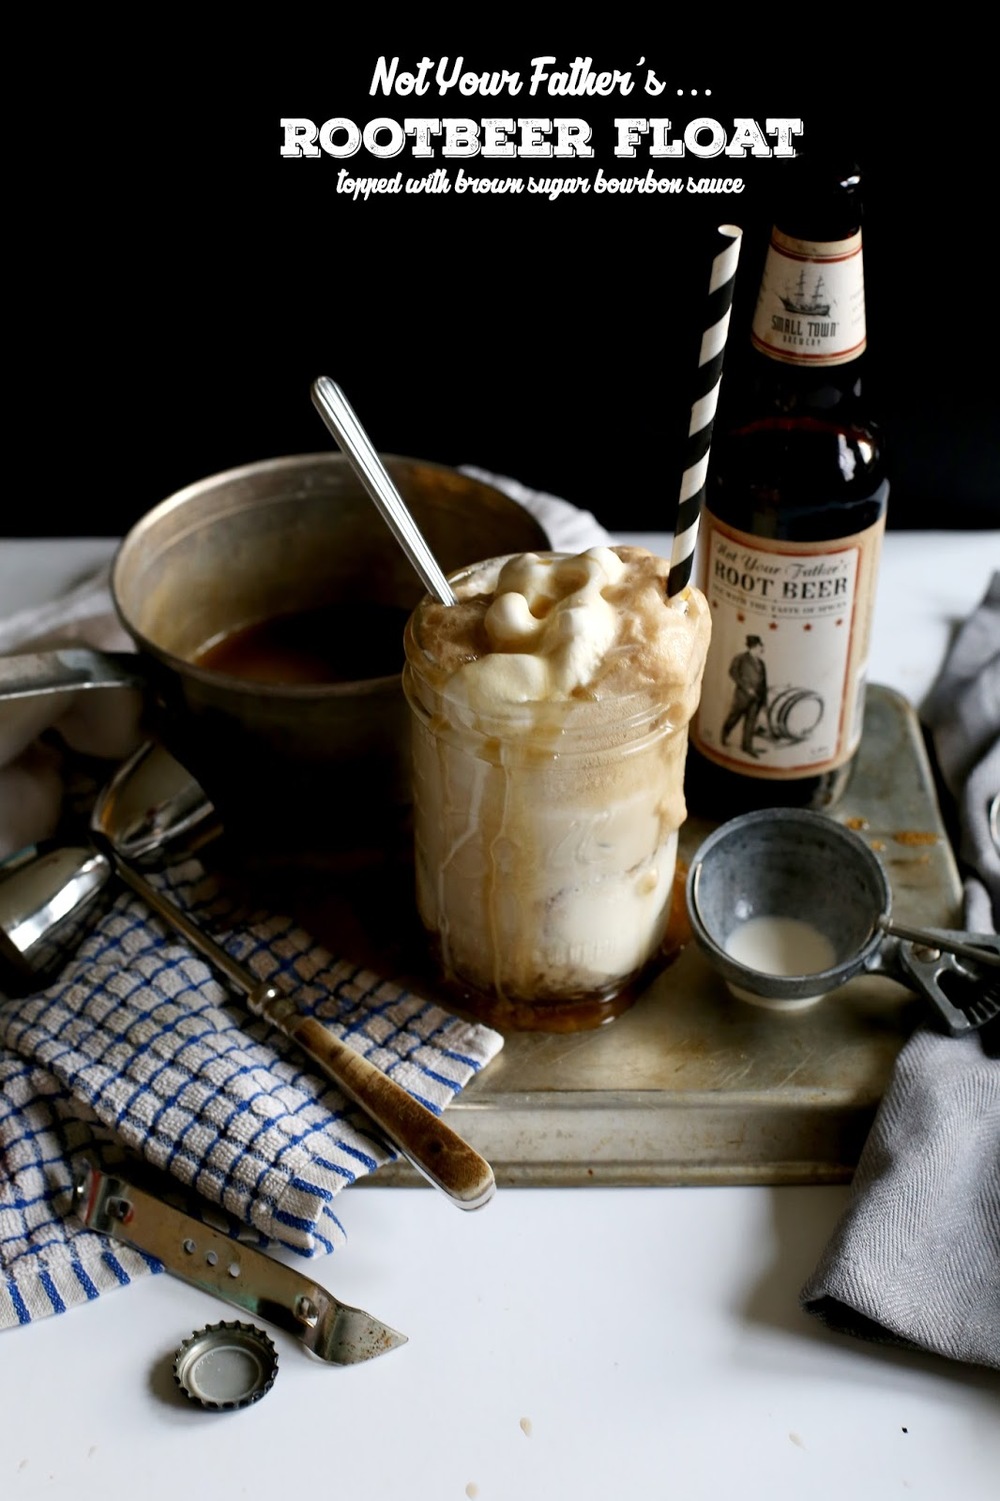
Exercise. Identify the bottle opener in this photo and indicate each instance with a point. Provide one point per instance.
(238, 1274)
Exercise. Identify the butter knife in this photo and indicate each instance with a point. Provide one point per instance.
(433, 1148)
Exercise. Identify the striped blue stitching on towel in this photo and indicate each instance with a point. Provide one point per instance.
(137, 1045)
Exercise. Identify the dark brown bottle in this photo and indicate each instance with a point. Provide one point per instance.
(792, 528)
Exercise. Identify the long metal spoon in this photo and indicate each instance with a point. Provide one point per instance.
(340, 417)
(432, 1147)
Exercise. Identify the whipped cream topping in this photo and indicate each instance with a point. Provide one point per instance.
(550, 613)
(537, 628)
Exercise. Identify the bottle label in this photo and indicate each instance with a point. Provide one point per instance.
(783, 694)
(811, 306)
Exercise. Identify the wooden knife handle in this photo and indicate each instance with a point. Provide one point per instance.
(432, 1147)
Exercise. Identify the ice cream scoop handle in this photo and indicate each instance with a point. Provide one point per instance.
(981, 948)
(426, 1142)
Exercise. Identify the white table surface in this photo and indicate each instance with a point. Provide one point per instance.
(563, 1343)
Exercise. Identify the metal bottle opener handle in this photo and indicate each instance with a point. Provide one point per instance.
(238, 1274)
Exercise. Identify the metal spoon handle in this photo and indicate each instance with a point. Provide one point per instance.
(433, 1148)
(340, 417)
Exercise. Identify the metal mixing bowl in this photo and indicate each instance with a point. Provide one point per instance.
(308, 768)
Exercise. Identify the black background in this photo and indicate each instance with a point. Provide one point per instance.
(179, 284)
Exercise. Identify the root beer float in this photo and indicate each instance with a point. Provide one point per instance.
(550, 712)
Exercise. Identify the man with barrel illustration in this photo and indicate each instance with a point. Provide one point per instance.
(749, 674)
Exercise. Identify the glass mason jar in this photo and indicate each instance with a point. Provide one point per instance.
(545, 841)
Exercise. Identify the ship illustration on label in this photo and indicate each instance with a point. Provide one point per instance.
(811, 307)
(797, 301)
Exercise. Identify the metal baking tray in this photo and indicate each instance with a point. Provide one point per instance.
(691, 1086)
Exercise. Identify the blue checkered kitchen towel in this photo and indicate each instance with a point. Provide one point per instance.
(138, 1044)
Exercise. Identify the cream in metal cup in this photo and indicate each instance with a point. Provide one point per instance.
(549, 727)
(788, 905)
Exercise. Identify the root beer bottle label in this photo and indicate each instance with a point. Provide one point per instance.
(790, 624)
(791, 532)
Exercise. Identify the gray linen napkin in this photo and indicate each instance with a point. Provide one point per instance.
(915, 1260)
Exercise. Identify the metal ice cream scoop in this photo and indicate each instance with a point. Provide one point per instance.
(788, 905)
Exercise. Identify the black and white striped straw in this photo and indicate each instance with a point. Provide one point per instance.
(703, 406)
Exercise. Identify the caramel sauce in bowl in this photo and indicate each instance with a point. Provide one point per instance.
(310, 758)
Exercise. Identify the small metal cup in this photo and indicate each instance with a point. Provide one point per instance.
(788, 864)
(783, 863)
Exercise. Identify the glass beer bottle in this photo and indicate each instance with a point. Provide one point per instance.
(792, 528)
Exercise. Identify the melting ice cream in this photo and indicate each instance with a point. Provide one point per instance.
(551, 706)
